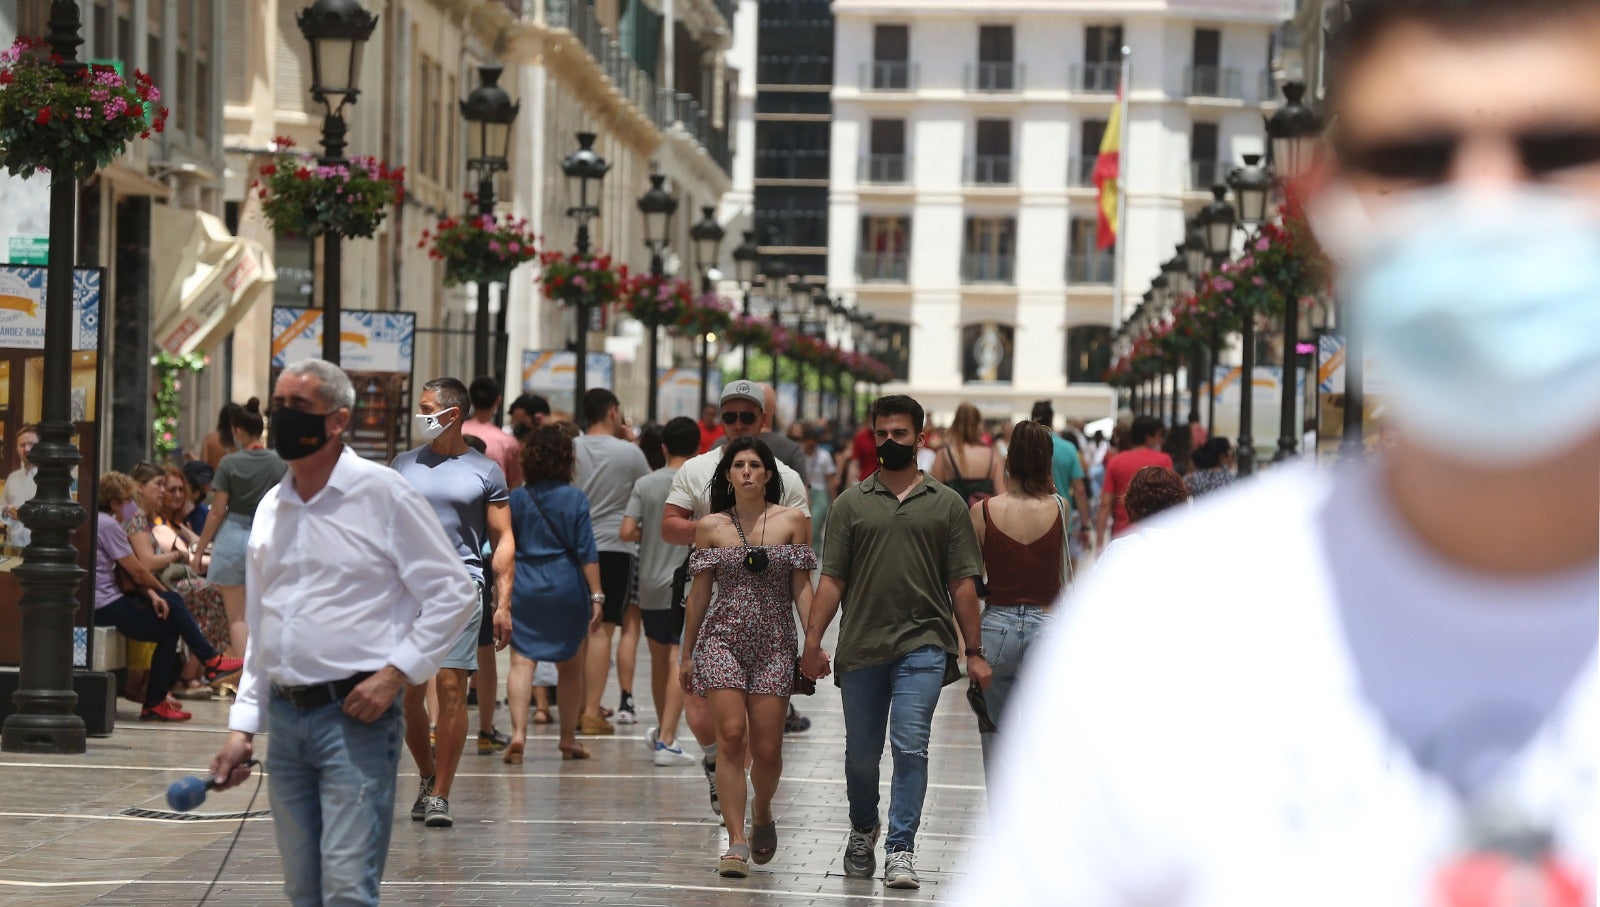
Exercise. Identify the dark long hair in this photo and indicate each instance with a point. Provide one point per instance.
(1028, 460)
(722, 489)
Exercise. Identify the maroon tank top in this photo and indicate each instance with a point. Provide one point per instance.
(1022, 574)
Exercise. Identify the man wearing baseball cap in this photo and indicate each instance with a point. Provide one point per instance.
(743, 414)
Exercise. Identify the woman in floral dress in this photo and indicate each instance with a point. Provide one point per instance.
(742, 646)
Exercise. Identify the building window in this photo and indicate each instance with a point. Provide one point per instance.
(792, 150)
(1087, 263)
(986, 353)
(897, 351)
(1205, 169)
(891, 57)
(291, 255)
(1101, 70)
(1080, 167)
(991, 163)
(1207, 78)
(1088, 354)
(885, 249)
(886, 155)
(990, 251)
(997, 63)
(429, 91)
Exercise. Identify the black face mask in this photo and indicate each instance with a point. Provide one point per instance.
(296, 433)
(894, 456)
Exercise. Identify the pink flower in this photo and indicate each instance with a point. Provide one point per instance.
(1263, 244)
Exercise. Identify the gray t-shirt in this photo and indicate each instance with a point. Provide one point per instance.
(607, 468)
(246, 476)
(460, 489)
(657, 559)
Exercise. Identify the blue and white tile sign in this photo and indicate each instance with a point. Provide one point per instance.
(22, 307)
(369, 341)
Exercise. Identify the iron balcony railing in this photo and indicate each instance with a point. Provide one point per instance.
(1091, 268)
(1097, 78)
(996, 76)
(988, 268)
(990, 170)
(883, 267)
(883, 168)
(1213, 82)
(1080, 171)
(1205, 174)
(888, 75)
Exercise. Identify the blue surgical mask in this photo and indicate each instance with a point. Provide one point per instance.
(1481, 312)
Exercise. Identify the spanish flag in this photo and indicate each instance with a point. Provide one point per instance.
(1107, 168)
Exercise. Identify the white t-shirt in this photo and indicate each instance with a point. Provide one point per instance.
(1236, 708)
(820, 468)
(691, 486)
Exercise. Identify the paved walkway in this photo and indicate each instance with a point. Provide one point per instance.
(613, 830)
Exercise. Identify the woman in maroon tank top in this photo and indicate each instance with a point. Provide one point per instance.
(1023, 535)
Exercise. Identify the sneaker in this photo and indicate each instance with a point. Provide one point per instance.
(437, 810)
(710, 768)
(900, 870)
(671, 755)
(652, 739)
(625, 715)
(164, 711)
(419, 809)
(595, 727)
(796, 723)
(219, 668)
(859, 861)
(492, 741)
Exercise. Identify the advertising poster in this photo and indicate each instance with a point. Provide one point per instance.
(1266, 403)
(376, 349)
(1331, 362)
(22, 331)
(679, 390)
(552, 374)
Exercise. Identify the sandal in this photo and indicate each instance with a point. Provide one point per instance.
(542, 716)
(763, 842)
(513, 753)
(573, 751)
(605, 712)
(735, 864)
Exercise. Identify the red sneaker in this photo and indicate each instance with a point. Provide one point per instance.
(164, 712)
(219, 668)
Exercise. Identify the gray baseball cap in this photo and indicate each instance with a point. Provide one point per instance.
(744, 390)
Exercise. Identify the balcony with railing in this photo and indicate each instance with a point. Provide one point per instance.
(996, 76)
(1205, 174)
(1080, 171)
(788, 164)
(1096, 78)
(988, 268)
(888, 75)
(1213, 82)
(991, 170)
(883, 267)
(883, 169)
(1091, 268)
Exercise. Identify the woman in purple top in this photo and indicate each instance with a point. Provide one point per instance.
(146, 611)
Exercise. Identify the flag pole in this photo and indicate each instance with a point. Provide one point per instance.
(1119, 252)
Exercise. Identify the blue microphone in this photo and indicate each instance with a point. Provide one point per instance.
(186, 794)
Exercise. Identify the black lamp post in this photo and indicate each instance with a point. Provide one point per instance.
(44, 720)
(1159, 305)
(1198, 260)
(776, 279)
(1293, 132)
(799, 300)
(746, 264)
(707, 236)
(583, 167)
(822, 308)
(337, 30)
(1216, 228)
(488, 112)
(1251, 185)
(657, 206)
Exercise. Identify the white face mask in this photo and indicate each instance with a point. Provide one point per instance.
(1483, 310)
(428, 424)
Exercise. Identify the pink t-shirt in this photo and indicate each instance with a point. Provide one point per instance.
(499, 447)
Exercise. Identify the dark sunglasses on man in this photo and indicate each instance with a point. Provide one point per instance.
(1427, 157)
(747, 417)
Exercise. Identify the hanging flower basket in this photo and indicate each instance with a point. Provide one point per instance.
(70, 124)
(656, 301)
(307, 198)
(747, 330)
(169, 369)
(479, 247)
(707, 314)
(574, 279)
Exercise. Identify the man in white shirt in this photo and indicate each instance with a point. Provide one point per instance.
(352, 591)
(743, 415)
(1375, 685)
(20, 489)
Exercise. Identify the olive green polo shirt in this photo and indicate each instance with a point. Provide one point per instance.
(897, 559)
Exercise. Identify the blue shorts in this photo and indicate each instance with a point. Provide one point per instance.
(228, 551)
(463, 655)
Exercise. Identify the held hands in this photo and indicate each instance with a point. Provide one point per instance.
(231, 765)
(373, 696)
(814, 663)
(502, 628)
(685, 674)
(979, 672)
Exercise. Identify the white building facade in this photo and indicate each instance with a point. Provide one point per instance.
(962, 206)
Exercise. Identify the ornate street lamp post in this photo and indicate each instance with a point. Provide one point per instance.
(44, 720)
(799, 296)
(1216, 228)
(488, 112)
(822, 308)
(1293, 132)
(707, 236)
(746, 264)
(337, 30)
(1252, 186)
(583, 167)
(657, 206)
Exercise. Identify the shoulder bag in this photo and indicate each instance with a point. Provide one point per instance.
(1066, 544)
(570, 551)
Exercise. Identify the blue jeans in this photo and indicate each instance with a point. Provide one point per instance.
(1008, 631)
(134, 618)
(897, 697)
(332, 795)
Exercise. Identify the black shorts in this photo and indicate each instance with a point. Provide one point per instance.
(616, 581)
(486, 629)
(663, 627)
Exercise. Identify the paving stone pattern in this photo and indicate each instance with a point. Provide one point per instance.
(613, 830)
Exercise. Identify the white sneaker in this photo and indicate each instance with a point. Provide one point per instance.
(672, 755)
(625, 716)
(900, 870)
(652, 739)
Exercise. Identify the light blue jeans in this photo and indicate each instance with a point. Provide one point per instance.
(332, 796)
(1008, 631)
(897, 698)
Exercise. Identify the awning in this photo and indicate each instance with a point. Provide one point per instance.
(206, 279)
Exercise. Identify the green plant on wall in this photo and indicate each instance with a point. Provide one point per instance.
(169, 370)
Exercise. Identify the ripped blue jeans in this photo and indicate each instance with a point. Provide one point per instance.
(896, 699)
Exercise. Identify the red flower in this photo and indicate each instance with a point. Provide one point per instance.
(269, 169)
(6, 77)
(302, 174)
(43, 117)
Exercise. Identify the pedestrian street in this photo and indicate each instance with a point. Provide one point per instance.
(612, 830)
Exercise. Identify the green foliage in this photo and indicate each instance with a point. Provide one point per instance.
(169, 371)
(75, 124)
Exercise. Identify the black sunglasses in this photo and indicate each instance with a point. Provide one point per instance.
(747, 417)
(1428, 158)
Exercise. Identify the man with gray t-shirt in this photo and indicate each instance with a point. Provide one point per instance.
(468, 493)
(607, 467)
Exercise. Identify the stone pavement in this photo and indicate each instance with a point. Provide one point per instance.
(613, 830)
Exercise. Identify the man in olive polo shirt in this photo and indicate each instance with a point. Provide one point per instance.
(903, 546)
